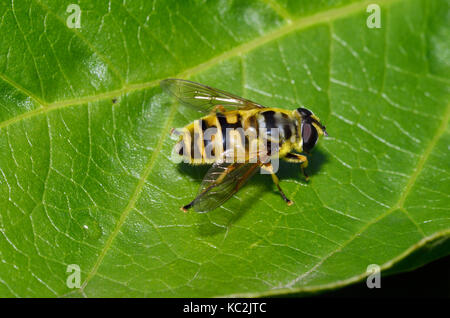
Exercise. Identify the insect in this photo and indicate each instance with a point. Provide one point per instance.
(207, 140)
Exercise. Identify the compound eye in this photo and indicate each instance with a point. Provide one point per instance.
(309, 136)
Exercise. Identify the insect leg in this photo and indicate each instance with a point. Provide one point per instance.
(302, 160)
(275, 179)
(187, 206)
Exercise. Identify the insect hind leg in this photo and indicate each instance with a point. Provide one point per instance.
(186, 207)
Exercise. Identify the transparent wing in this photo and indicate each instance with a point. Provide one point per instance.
(203, 97)
(220, 183)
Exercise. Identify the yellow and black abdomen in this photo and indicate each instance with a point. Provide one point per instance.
(205, 140)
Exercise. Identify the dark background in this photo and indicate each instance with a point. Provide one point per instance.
(429, 281)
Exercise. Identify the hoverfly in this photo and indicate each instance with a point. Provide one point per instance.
(298, 130)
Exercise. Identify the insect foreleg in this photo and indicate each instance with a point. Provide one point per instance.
(296, 158)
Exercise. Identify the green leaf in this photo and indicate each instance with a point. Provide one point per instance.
(85, 175)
